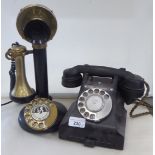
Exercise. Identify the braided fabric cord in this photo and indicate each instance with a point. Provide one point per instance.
(142, 102)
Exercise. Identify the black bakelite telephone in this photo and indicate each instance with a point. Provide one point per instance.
(98, 116)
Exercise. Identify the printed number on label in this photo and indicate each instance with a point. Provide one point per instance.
(77, 122)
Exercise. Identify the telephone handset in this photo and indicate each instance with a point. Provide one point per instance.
(130, 85)
(98, 116)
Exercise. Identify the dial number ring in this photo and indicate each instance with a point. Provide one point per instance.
(40, 114)
(94, 104)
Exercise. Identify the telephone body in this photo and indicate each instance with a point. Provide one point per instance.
(98, 116)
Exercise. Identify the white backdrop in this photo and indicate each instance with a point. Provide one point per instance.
(114, 33)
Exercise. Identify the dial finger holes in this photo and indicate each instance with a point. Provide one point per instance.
(85, 94)
(102, 92)
(29, 120)
(27, 110)
(94, 104)
(92, 116)
(80, 104)
(34, 124)
(41, 125)
(86, 114)
(82, 110)
(81, 98)
(96, 91)
(27, 116)
(90, 91)
(29, 106)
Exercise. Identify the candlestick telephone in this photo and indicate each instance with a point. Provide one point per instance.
(37, 25)
(98, 116)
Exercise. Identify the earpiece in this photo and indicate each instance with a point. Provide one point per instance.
(71, 78)
(131, 88)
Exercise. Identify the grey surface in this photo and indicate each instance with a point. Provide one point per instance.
(15, 141)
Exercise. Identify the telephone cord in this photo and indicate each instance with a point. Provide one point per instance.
(142, 102)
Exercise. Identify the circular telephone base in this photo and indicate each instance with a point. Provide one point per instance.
(41, 115)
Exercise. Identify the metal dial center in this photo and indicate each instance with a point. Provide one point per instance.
(94, 103)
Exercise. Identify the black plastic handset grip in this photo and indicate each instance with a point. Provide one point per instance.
(130, 85)
(102, 71)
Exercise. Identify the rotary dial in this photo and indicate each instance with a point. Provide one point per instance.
(40, 114)
(94, 104)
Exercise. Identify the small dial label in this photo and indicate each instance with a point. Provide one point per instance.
(40, 112)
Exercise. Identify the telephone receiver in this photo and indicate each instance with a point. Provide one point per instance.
(98, 117)
(36, 24)
(130, 85)
(20, 91)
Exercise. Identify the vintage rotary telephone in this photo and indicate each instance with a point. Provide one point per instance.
(98, 116)
(36, 24)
